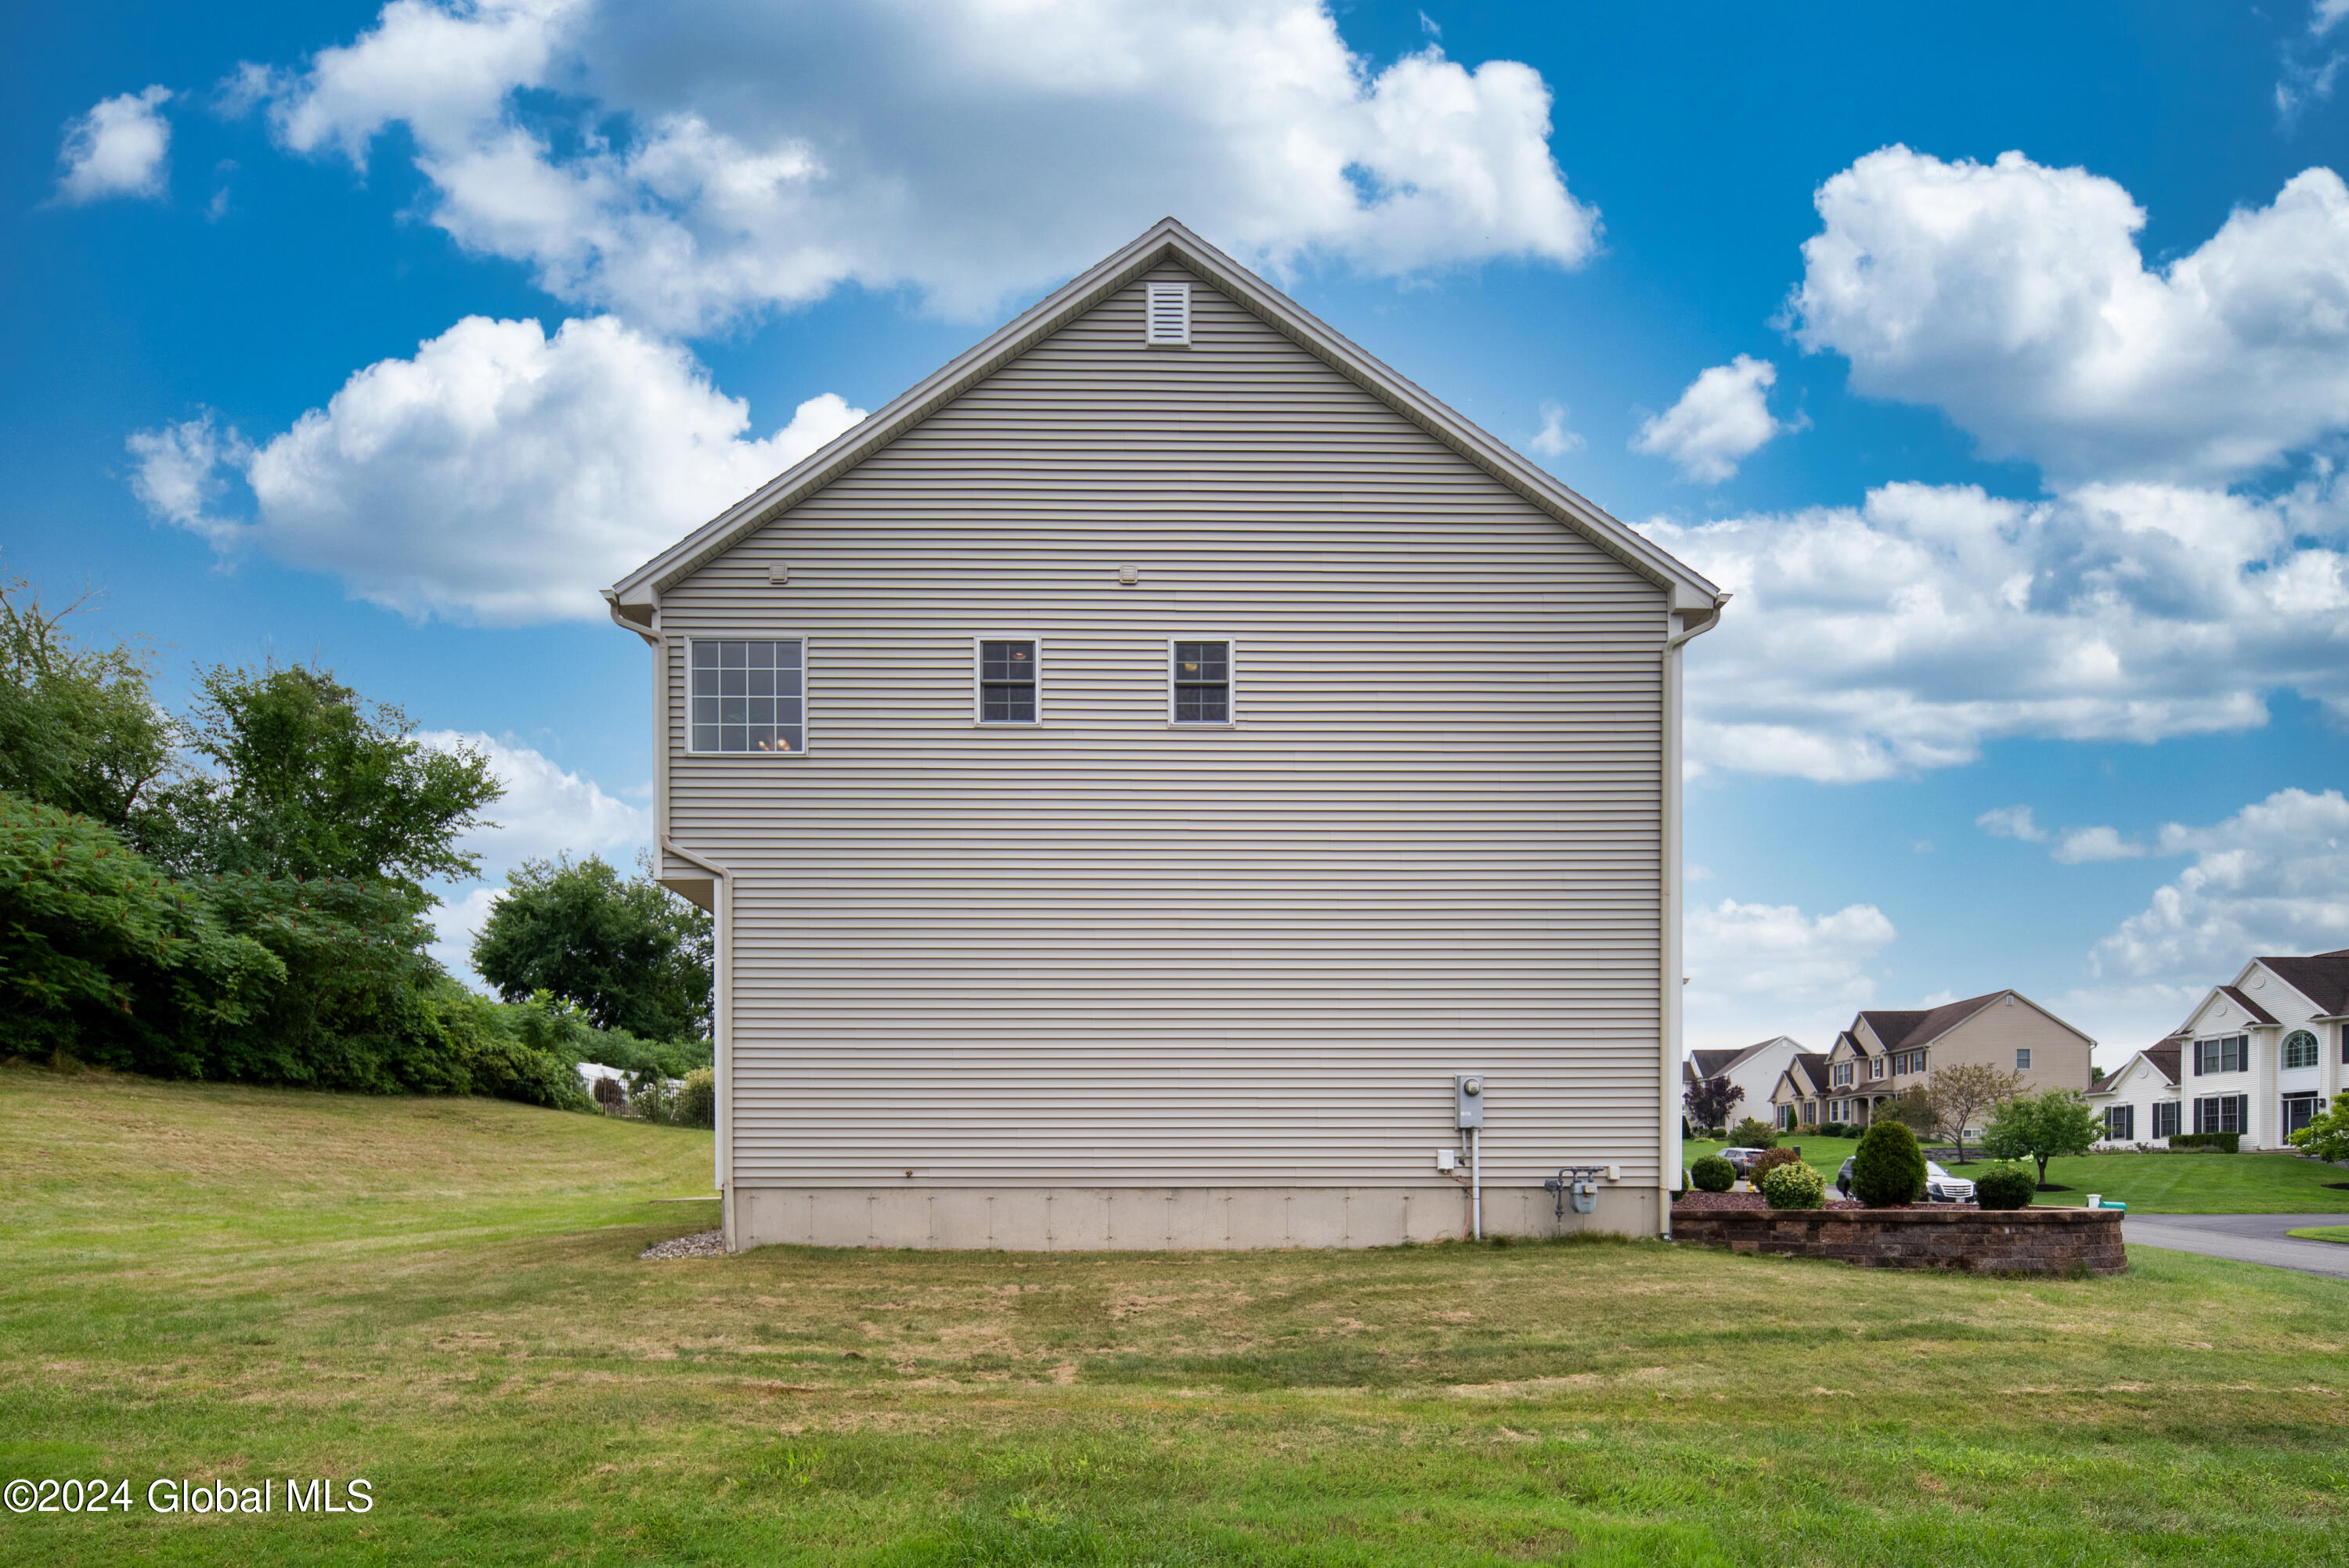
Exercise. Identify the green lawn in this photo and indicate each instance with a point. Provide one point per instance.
(2322, 1233)
(443, 1298)
(2149, 1183)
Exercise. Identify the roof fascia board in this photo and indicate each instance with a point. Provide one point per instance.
(1689, 592)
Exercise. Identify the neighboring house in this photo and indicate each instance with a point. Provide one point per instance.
(2140, 1103)
(1800, 1095)
(2263, 1056)
(1754, 1070)
(1139, 769)
(1885, 1052)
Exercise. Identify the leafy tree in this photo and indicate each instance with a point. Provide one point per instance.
(1910, 1108)
(309, 781)
(2041, 1125)
(1753, 1133)
(79, 729)
(1708, 1101)
(2327, 1136)
(629, 953)
(1958, 1094)
(1888, 1169)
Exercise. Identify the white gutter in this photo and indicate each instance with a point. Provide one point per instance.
(1669, 903)
(721, 1021)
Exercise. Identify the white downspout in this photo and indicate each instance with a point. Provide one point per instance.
(1669, 903)
(1476, 1181)
(722, 1020)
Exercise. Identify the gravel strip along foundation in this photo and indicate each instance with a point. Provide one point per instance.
(701, 1244)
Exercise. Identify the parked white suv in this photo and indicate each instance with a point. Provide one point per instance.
(1941, 1187)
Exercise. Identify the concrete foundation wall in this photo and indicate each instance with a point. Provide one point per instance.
(1160, 1219)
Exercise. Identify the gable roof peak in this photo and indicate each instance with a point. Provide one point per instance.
(636, 595)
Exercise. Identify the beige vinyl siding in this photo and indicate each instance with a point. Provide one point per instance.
(1108, 951)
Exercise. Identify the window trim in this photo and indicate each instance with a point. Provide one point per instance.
(2176, 1117)
(979, 719)
(2022, 1059)
(807, 694)
(2218, 1102)
(1231, 719)
(2284, 1051)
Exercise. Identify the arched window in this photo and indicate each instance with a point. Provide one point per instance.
(2299, 1050)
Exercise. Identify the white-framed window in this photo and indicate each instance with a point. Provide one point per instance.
(1785, 1119)
(1202, 686)
(2120, 1123)
(746, 695)
(2228, 1054)
(1876, 1069)
(1843, 1074)
(2022, 1059)
(2299, 1050)
(1166, 316)
(2221, 1112)
(1007, 680)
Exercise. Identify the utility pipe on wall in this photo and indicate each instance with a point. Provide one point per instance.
(1476, 1180)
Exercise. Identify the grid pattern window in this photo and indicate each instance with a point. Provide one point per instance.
(2299, 1050)
(1842, 1073)
(2120, 1123)
(2299, 1110)
(1876, 1069)
(747, 695)
(1007, 682)
(2165, 1118)
(2021, 1060)
(1203, 683)
(2228, 1054)
(2220, 1112)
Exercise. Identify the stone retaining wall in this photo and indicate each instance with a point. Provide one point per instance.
(1977, 1240)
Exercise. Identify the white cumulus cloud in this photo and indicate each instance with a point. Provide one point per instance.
(2080, 846)
(713, 161)
(547, 811)
(1758, 970)
(2273, 878)
(500, 475)
(1555, 438)
(1902, 634)
(2012, 822)
(119, 149)
(1721, 420)
(2014, 298)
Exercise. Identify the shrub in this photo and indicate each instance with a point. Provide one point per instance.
(2214, 1142)
(1889, 1169)
(1713, 1174)
(2006, 1187)
(1769, 1160)
(1793, 1186)
(696, 1101)
(1835, 1130)
(611, 1095)
(1753, 1133)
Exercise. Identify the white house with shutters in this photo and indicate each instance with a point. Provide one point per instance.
(2259, 1056)
(1139, 771)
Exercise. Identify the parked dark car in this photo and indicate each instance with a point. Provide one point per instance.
(1941, 1187)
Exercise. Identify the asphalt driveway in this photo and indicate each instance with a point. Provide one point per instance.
(2246, 1238)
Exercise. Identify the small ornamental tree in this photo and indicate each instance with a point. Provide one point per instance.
(1958, 1094)
(1795, 1186)
(1910, 1108)
(1889, 1169)
(1712, 1174)
(1709, 1101)
(2041, 1125)
(1752, 1133)
(1769, 1160)
(2327, 1136)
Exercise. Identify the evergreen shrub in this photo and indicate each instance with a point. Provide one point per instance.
(1793, 1186)
(1713, 1174)
(2213, 1143)
(1889, 1169)
(1753, 1133)
(2005, 1187)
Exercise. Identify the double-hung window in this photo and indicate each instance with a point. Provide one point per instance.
(1009, 678)
(2165, 1118)
(1199, 674)
(2022, 1059)
(2230, 1054)
(1842, 1073)
(1876, 1069)
(748, 694)
(2120, 1123)
(2220, 1112)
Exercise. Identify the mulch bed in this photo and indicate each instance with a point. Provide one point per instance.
(1697, 1203)
(701, 1244)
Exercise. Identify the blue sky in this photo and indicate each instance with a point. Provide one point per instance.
(1997, 357)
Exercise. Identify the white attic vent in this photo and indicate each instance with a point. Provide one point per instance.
(1167, 317)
